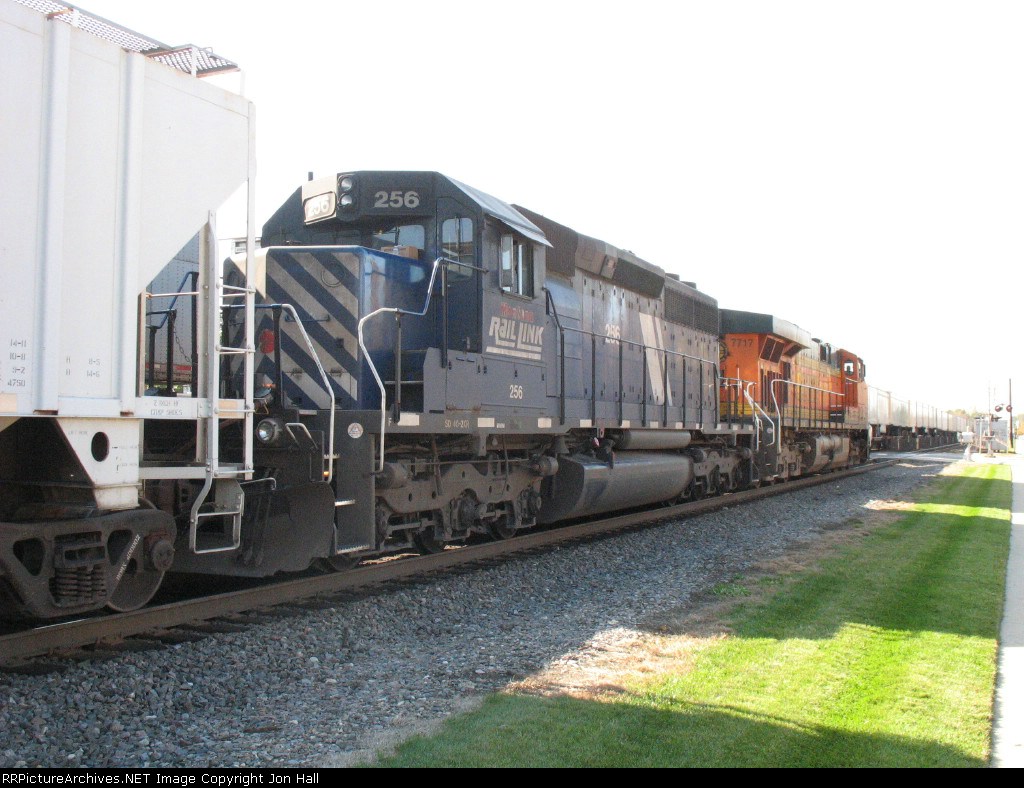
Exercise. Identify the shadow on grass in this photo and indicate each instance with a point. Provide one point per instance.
(938, 569)
(974, 492)
(532, 731)
(931, 571)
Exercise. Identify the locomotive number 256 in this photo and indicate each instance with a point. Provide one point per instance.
(515, 392)
(396, 199)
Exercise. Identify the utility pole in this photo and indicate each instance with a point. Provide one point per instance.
(1009, 411)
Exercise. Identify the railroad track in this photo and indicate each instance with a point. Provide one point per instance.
(225, 612)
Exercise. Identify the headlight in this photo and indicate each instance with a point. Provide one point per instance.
(269, 431)
(345, 185)
(346, 200)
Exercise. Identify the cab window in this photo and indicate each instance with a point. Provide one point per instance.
(516, 266)
(401, 238)
(457, 244)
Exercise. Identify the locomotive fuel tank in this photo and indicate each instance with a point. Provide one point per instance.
(650, 440)
(586, 485)
(826, 450)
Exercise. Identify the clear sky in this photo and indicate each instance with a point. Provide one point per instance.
(856, 168)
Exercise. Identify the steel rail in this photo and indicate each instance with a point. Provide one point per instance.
(64, 636)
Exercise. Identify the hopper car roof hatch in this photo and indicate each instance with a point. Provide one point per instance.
(188, 58)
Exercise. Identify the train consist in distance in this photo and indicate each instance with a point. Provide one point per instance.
(900, 424)
(406, 363)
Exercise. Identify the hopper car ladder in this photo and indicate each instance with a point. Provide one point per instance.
(224, 479)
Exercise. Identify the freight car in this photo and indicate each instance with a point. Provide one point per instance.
(97, 126)
(899, 424)
(406, 363)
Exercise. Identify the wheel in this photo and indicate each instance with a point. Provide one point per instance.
(137, 587)
(499, 528)
(336, 563)
(141, 578)
(427, 543)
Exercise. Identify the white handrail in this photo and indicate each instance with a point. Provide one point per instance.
(744, 387)
(756, 406)
(366, 354)
(327, 385)
(778, 411)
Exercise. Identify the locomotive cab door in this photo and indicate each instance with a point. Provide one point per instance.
(850, 369)
(458, 229)
(514, 320)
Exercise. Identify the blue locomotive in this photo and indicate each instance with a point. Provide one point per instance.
(434, 363)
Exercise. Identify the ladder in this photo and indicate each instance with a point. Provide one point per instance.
(224, 480)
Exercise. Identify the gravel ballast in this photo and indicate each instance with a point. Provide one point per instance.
(318, 688)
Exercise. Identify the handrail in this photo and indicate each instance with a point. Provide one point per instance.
(621, 342)
(561, 355)
(753, 412)
(327, 384)
(757, 408)
(744, 387)
(175, 295)
(320, 367)
(778, 411)
(729, 406)
(617, 340)
(366, 354)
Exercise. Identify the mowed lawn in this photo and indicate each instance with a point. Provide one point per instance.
(882, 655)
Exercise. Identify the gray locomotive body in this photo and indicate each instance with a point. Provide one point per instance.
(480, 369)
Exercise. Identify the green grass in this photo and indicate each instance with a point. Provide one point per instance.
(735, 588)
(884, 655)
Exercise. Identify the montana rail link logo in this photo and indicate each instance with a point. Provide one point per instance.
(513, 333)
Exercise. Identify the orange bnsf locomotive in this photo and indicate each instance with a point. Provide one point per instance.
(810, 395)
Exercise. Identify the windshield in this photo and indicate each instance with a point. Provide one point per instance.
(394, 281)
(408, 239)
(408, 235)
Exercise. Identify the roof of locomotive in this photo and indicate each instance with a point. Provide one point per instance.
(735, 321)
(673, 284)
(572, 251)
(500, 210)
(289, 220)
(568, 249)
